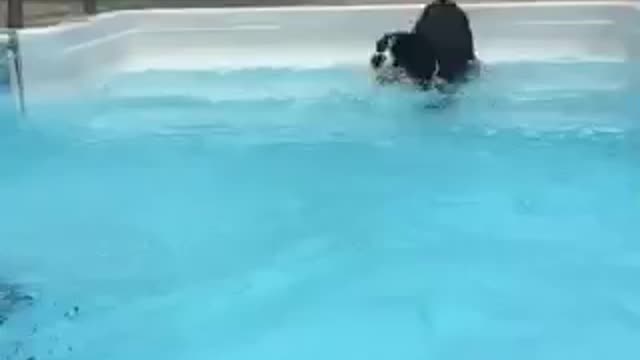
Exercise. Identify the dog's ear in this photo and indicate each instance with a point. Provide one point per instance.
(383, 43)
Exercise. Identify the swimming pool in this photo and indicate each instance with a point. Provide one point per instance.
(279, 213)
(315, 216)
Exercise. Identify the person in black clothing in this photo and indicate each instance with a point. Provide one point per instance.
(448, 30)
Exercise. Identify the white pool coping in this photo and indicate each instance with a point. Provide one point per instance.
(69, 59)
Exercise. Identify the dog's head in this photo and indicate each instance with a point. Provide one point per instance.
(403, 57)
(385, 63)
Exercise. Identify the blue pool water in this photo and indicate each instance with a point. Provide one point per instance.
(276, 214)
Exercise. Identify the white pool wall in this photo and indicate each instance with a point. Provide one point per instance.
(68, 59)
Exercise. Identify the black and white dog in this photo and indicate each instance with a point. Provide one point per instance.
(439, 51)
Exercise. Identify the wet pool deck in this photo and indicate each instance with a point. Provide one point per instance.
(49, 12)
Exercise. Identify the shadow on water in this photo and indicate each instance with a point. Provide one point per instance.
(13, 297)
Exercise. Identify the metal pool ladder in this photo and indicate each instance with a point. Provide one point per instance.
(11, 67)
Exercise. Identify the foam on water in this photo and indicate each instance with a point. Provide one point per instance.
(309, 215)
(546, 97)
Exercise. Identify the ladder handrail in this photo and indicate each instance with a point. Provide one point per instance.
(15, 71)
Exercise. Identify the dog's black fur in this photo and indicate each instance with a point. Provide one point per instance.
(411, 52)
(440, 47)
